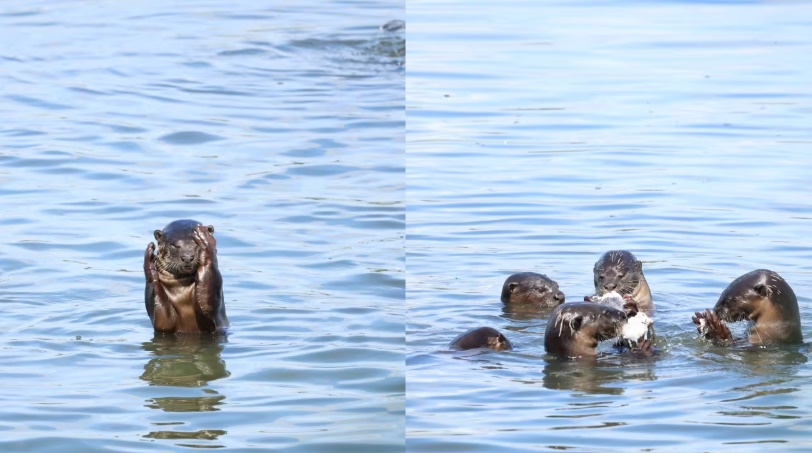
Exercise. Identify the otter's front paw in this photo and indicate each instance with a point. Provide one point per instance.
(204, 239)
(710, 326)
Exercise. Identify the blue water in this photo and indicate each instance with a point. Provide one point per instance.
(541, 135)
(281, 125)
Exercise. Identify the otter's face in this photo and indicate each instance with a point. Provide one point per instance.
(499, 343)
(535, 290)
(609, 322)
(177, 252)
(742, 300)
(617, 271)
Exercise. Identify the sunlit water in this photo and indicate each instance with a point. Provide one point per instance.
(279, 123)
(539, 137)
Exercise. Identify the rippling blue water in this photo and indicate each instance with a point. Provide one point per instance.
(281, 125)
(540, 136)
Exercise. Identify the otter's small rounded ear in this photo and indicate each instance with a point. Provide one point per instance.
(638, 265)
(158, 235)
(210, 228)
(762, 290)
(512, 286)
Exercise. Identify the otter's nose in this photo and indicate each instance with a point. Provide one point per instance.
(610, 286)
(187, 257)
(559, 297)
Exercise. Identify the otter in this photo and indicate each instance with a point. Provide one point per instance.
(620, 271)
(184, 288)
(575, 329)
(531, 288)
(481, 337)
(638, 332)
(760, 296)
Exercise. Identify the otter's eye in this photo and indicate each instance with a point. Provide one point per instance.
(621, 275)
(175, 246)
(601, 277)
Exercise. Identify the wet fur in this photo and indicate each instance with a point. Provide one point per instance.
(621, 271)
(766, 300)
(575, 329)
(184, 288)
(532, 289)
(481, 337)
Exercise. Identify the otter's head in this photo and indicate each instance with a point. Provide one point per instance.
(599, 322)
(531, 288)
(617, 270)
(499, 343)
(177, 252)
(753, 294)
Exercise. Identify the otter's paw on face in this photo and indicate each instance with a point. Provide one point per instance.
(711, 327)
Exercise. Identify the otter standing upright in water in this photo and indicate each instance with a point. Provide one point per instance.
(620, 271)
(184, 289)
(530, 288)
(760, 296)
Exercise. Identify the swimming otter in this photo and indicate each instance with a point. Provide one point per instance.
(532, 289)
(184, 288)
(638, 332)
(575, 329)
(620, 271)
(481, 337)
(760, 296)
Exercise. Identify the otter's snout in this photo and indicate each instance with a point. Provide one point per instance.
(610, 286)
(187, 257)
(559, 297)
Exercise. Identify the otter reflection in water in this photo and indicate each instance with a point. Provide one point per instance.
(185, 361)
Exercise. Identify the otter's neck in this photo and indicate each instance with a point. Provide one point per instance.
(642, 295)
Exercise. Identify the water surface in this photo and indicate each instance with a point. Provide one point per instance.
(282, 126)
(541, 136)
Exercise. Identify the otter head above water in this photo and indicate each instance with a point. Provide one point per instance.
(532, 289)
(622, 272)
(574, 329)
(177, 252)
(765, 298)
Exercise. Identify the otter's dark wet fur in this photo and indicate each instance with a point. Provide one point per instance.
(184, 287)
(481, 337)
(575, 329)
(532, 289)
(622, 272)
(765, 299)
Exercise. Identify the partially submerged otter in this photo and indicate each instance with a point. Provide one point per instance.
(620, 271)
(530, 288)
(760, 296)
(575, 329)
(638, 332)
(184, 288)
(481, 337)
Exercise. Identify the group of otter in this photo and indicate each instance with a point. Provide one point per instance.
(622, 306)
(184, 289)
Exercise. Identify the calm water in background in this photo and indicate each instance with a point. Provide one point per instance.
(281, 126)
(539, 137)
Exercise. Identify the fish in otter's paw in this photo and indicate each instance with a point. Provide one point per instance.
(481, 337)
(761, 297)
(638, 332)
(575, 329)
(622, 272)
(184, 288)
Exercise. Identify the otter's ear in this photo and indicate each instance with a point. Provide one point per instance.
(639, 266)
(210, 228)
(762, 290)
(512, 286)
(158, 235)
(576, 323)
